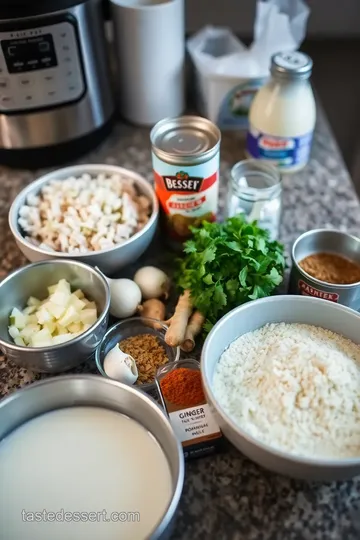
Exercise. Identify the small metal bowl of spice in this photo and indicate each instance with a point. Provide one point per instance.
(326, 264)
(143, 340)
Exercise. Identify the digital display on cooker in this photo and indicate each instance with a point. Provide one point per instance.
(29, 54)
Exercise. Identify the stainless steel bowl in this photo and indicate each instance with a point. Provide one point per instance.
(90, 390)
(325, 241)
(249, 317)
(33, 280)
(133, 327)
(108, 260)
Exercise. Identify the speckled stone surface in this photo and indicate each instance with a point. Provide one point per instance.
(226, 496)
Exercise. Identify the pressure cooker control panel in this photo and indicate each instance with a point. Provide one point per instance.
(40, 67)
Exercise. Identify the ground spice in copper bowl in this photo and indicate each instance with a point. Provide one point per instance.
(331, 268)
(148, 353)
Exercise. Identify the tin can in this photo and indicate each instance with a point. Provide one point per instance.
(186, 159)
(325, 241)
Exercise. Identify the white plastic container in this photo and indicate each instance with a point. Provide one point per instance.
(283, 113)
(149, 43)
(226, 100)
(226, 77)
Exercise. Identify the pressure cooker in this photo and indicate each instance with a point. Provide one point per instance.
(55, 91)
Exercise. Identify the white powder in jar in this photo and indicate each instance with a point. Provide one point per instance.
(295, 387)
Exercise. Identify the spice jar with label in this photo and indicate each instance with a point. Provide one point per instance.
(181, 392)
(255, 190)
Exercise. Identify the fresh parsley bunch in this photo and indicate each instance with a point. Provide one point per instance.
(228, 264)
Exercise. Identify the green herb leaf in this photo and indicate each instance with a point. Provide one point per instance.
(234, 246)
(208, 326)
(243, 275)
(227, 264)
(208, 279)
(266, 261)
(219, 295)
(275, 276)
(208, 254)
(261, 245)
(232, 285)
(190, 247)
(258, 292)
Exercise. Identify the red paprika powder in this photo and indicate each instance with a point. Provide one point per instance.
(183, 387)
(180, 388)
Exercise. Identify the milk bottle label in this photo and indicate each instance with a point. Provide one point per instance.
(281, 151)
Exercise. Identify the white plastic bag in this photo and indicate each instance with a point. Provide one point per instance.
(229, 73)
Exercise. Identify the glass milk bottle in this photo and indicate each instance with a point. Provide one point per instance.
(282, 115)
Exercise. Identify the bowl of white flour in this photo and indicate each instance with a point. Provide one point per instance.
(283, 377)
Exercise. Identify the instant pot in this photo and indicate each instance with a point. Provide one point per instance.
(55, 91)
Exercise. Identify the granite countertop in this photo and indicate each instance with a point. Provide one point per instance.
(226, 496)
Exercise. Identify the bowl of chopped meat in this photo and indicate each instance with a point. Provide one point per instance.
(102, 215)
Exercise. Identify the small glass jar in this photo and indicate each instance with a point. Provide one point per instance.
(192, 419)
(188, 363)
(255, 190)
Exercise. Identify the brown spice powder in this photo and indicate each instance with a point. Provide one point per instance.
(148, 354)
(331, 268)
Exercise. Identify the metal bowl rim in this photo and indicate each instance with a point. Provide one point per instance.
(36, 185)
(77, 339)
(343, 286)
(179, 482)
(296, 459)
(145, 386)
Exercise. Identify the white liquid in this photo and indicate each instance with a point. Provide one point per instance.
(82, 459)
(284, 108)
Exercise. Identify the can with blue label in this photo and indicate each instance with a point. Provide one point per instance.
(283, 113)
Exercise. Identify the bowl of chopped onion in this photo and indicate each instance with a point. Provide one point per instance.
(102, 215)
(53, 315)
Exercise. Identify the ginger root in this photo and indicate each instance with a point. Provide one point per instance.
(153, 308)
(178, 322)
(192, 330)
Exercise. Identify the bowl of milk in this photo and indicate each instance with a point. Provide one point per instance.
(86, 457)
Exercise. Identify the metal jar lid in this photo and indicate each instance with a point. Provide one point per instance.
(291, 65)
(185, 140)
